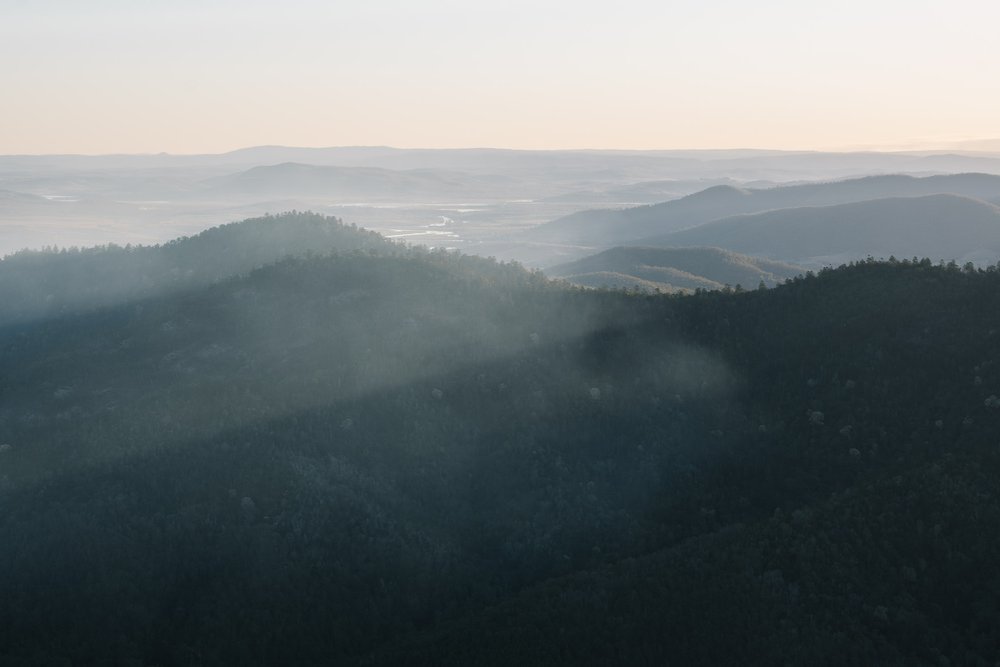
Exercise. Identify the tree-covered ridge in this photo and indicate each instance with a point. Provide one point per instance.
(674, 269)
(428, 458)
(885, 555)
(52, 282)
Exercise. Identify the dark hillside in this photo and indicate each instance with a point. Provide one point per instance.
(434, 459)
(849, 523)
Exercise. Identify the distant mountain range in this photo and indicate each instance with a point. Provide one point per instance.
(673, 269)
(489, 199)
(744, 165)
(945, 226)
(615, 227)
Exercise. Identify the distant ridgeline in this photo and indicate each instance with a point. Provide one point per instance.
(953, 217)
(400, 456)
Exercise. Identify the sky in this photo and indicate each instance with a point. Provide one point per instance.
(206, 76)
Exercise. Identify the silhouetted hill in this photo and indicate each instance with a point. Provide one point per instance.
(944, 227)
(614, 227)
(673, 269)
(46, 283)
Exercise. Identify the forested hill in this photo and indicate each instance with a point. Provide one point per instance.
(673, 269)
(51, 282)
(424, 458)
(839, 522)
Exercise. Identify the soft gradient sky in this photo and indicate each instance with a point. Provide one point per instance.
(100, 76)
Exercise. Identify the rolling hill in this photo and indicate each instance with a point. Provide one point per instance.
(424, 458)
(616, 227)
(941, 227)
(673, 269)
(48, 283)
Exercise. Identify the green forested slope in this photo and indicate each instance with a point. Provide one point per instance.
(422, 458)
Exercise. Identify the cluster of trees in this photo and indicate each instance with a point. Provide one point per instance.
(393, 456)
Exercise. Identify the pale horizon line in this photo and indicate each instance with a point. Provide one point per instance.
(914, 147)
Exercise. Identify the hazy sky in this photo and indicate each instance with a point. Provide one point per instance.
(212, 75)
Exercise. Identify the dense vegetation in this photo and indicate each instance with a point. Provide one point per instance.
(390, 456)
(670, 270)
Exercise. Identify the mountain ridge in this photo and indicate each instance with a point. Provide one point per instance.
(675, 269)
(941, 226)
(614, 227)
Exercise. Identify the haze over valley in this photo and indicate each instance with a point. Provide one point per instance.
(539, 208)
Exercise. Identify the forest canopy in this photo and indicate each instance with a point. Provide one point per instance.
(336, 449)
